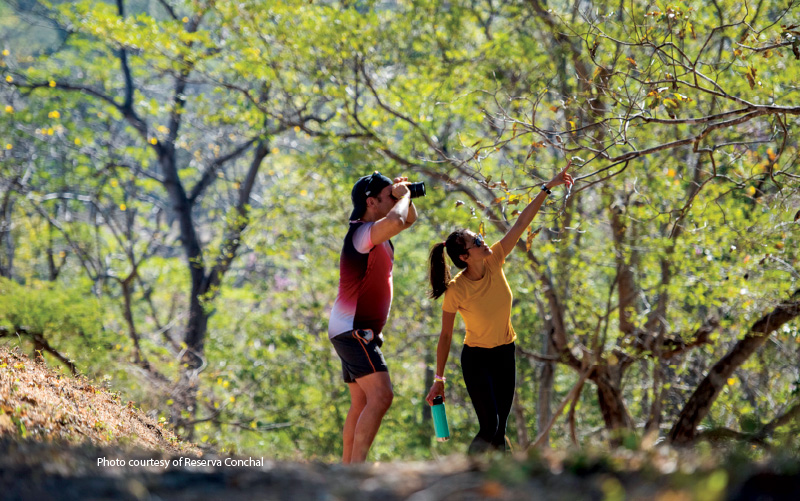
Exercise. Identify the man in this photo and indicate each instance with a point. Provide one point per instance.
(381, 210)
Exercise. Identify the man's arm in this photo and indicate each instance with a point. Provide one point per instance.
(397, 218)
(411, 216)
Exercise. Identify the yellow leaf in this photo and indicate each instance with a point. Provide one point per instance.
(731, 381)
(123, 207)
(153, 140)
(275, 151)
(9, 109)
(9, 78)
(531, 235)
(52, 83)
(77, 141)
(751, 190)
(162, 129)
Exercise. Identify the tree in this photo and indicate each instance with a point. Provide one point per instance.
(163, 80)
(238, 130)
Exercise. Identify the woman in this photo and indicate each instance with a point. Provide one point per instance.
(481, 294)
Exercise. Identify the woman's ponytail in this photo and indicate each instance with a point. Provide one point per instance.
(439, 271)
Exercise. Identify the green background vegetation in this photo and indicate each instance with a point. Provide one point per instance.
(267, 112)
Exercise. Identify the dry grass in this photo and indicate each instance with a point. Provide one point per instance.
(38, 403)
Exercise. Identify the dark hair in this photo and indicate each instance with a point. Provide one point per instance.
(365, 187)
(456, 245)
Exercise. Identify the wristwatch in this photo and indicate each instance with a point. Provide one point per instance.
(546, 189)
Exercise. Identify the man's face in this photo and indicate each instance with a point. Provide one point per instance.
(384, 202)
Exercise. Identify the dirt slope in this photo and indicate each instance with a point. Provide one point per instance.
(56, 430)
(38, 403)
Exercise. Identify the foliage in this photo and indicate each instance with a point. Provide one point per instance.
(681, 118)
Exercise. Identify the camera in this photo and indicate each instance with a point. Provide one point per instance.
(416, 189)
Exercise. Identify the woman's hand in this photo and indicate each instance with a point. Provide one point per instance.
(436, 390)
(562, 177)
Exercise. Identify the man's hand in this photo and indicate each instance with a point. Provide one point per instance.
(399, 218)
(400, 187)
(436, 390)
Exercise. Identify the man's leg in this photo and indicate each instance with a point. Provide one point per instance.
(358, 400)
(378, 390)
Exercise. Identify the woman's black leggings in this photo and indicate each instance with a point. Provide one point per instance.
(490, 376)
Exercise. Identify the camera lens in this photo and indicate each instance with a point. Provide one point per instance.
(416, 189)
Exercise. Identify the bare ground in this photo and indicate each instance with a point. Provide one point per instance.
(54, 430)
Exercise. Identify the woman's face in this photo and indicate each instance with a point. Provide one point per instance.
(477, 249)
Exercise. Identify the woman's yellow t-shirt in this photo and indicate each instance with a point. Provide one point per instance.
(485, 304)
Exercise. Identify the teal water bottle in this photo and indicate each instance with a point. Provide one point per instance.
(440, 420)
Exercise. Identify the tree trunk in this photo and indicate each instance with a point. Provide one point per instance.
(522, 423)
(699, 404)
(430, 361)
(546, 378)
(6, 236)
(609, 396)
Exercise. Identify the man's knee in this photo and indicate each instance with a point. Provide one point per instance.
(383, 397)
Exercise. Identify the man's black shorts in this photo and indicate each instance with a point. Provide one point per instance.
(359, 356)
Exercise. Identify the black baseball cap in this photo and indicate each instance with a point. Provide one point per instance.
(367, 186)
